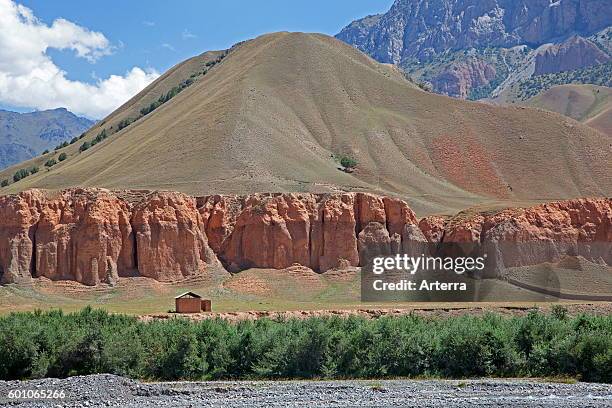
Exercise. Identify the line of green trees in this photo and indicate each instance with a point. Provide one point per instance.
(597, 75)
(23, 173)
(92, 341)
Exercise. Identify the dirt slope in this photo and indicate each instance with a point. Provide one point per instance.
(589, 104)
(269, 116)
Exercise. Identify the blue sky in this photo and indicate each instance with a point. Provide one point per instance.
(154, 35)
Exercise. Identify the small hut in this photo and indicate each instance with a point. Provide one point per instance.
(190, 302)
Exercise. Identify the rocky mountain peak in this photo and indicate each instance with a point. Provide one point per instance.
(433, 39)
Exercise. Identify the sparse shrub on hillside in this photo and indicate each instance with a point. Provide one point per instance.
(45, 152)
(62, 157)
(348, 162)
(84, 146)
(82, 135)
(424, 86)
(52, 344)
(124, 123)
(20, 174)
(150, 108)
(4, 183)
(169, 95)
(50, 163)
(34, 170)
(61, 146)
(99, 137)
(74, 140)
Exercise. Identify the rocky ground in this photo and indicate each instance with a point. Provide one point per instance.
(438, 310)
(113, 391)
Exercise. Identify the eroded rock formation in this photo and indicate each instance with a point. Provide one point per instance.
(82, 235)
(320, 231)
(530, 236)
(96, 236)
(458, 78)
(575, 53)
(170, 239)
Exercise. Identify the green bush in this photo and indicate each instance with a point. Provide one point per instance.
(45, 152)
(91, 341)
(124, 123)
(100, 137)
(150, 108)
(62, 157)
(348, 162)
(34, 170)
(20, 174)
(74, 140)
(50, 163)
(4, 183)
(163, 98)
(61, 146)
(84, 146)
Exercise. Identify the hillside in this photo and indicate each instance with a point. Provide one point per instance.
(589, 104)
(276, 112)
(25, 135)
(474, 50)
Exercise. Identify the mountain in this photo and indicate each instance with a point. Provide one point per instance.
(25, 135)
(589, 104)
(477, 49)
(278, 114)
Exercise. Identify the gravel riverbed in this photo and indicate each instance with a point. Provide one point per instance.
(114, 391)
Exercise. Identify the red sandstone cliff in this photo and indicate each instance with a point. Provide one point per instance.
(96, 235)
(320, 231)
(93, 236)
(529, 236)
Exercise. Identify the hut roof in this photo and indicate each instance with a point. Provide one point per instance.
(188, 294)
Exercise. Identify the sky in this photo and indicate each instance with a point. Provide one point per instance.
(91, 56)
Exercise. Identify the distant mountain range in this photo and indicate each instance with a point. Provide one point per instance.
(487, 49)
(26, 135)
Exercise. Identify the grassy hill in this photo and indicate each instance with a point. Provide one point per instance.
(589, 104)
(275, 114)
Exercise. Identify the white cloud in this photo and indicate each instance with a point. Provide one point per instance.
(149, 23)
(168, 46)
(187, 35)
(29, 78)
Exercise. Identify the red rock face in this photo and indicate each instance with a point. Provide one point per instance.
(170, 240)
(334, 233)
(458, 78)
(95, 236)
(574, 53)
(529, 236)
(269, 232)
(219, 215)
(18, 218)
(83, 235)
(432, 228)
(319, 231)
(579, 220)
